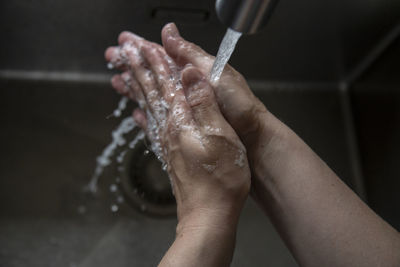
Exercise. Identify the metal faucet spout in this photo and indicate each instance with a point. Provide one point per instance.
(245, 16)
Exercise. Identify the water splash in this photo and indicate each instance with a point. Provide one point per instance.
(224, 53)
(121, 106)
(127, 125)
(114, 208)
(140, 136)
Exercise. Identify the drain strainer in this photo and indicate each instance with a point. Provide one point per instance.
(145, 185)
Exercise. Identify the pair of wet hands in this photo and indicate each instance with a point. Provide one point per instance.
(186, 119)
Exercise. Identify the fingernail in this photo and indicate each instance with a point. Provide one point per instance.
(117, 83)
(173, 30)
(109, 54)
(139, 118)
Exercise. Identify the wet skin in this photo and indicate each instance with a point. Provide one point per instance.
(206, 160)
(321, 220)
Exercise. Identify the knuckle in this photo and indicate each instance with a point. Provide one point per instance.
(200, 97)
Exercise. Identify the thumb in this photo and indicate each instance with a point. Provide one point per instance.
(200, 97)
(184, 52)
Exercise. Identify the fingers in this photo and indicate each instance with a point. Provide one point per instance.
(200, 97)
(145, 78)
(127, 36)
(160, 67)
(120, 86)
(127, 85)
(135, 87)
(140, 118)
(184, 52)
(116, 58)
(141, 79)
(116, 54)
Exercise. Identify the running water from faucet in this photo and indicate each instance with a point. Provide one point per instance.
(224, 53)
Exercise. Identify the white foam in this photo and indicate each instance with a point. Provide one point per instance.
(209, 167)
(241, 158)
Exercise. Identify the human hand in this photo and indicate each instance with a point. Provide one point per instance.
(244, 112)
(292, 181)
(242, 109)
(206, 160)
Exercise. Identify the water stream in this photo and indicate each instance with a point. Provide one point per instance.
(224, 53)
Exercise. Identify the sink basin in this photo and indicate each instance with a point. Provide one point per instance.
(52, 131)
(55, 98)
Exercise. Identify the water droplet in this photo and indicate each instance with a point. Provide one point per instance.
(81, 209)
(110, 66)
(146, 152)
(117, 113)
(113, 188)
(114, 208)
(164, 166)
(120, 199)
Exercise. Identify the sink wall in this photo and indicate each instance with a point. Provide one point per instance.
(51, 134)
(307, 41)
(55, 97)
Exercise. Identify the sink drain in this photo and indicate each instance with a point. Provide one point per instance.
(145, 185)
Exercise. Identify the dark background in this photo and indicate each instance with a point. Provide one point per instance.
(329, 69)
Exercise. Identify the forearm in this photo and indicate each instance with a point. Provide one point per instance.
(322, 221)
(202, 242)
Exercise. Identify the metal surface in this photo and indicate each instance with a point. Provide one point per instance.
(51, 135)
(245, 16)
(377, 117)
(376, 104)
(53, 131)
(312, 41)
(145, 185)
(55, 97)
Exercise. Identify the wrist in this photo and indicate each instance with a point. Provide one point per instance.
(258, 140)
(273, 140)
(202, 240)
(217, 221)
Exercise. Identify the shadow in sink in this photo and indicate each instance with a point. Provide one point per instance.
(51, 134)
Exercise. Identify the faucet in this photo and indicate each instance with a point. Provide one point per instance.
(245, 16)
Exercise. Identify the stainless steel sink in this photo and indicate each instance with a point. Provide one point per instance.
(318, 66)
(51, 134)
